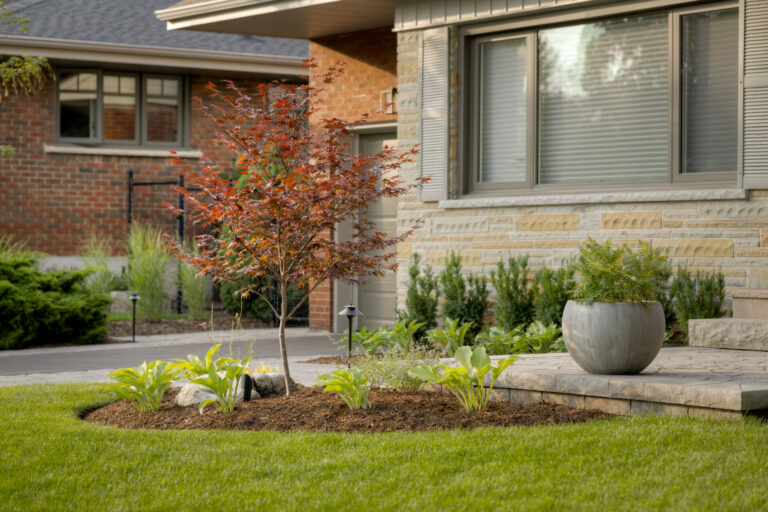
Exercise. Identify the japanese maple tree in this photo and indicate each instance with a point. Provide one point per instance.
(295, 181)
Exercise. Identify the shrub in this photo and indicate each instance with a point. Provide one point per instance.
(147, 264)
(699, 297)
(540, 339)
(254, 305)
(421, 298)
(450, 338)
(144, 386)
(551, 291)
(466, 380)
(619, 274)
(514, 298)
(465, 300)
(390, 368)
(38, 307)
(350, 384)
(96, 253)
(219, 377)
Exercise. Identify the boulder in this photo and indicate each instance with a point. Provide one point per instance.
(193, 394)
(270, 383)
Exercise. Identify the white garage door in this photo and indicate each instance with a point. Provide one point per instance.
(377, 298)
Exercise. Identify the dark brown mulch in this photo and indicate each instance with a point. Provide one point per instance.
(181, 325)
(311, 409)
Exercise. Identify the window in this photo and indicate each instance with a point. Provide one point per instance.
(649, 98)
(102, 107)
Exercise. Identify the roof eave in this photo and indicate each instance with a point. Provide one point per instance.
(204, 60)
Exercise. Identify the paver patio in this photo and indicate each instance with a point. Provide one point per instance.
(681, 381)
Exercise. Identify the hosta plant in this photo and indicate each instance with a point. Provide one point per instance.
(498, 341)
(219, 377)
(466, 380)
(369, 341)
(450, 338)
(403, 334)
(351, 385)
(144, 386)
(540, 339)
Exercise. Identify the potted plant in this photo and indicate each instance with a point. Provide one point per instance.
(615, 325)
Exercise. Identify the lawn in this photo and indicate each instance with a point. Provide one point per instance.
(54, 461)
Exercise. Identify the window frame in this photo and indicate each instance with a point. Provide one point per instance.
(139, 141)
(467, 147)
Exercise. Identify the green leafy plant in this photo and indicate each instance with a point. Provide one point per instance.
(194, 287)
(451, 337)
(351, 385)
(42, 307)
(369, 341)
(498, 341)
(697, 297)
(390, 368)
(144, 386)
(403, 334)
(466, 299)
(96, 253)
(552, 289)
(421, 297)
(10, 249)
(608, 274)
(219, 377)
(540, 339)
(514, 298)
(147, 271)
(465, 381)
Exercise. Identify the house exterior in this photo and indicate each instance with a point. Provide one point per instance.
(121, 101)
(545, 122)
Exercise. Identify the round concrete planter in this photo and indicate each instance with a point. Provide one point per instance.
(613, 337)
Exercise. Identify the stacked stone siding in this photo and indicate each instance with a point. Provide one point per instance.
(703, 234)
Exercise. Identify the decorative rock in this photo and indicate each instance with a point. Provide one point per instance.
(192, 394)
(738, 333)
(270, 383)
(749, 303)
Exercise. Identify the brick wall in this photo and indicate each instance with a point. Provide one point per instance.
(371, 67)
(707, 233)
(52, 201)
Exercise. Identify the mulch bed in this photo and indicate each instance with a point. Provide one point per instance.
(311, 409)
(181, 325)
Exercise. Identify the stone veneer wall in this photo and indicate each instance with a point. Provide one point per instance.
(707, 235)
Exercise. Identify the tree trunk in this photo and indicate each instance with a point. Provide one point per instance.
(281, 336)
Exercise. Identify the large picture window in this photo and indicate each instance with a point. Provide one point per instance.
(648, 98)
(101, 107)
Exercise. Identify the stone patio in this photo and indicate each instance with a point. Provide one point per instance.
(692, 381)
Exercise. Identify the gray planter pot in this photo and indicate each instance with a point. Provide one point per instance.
(613, 337)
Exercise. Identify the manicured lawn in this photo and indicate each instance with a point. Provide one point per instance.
(53, 461)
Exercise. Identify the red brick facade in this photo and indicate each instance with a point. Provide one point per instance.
(371, 67)
(52, 201)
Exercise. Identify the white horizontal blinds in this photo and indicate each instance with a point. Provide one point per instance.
(433, 123)
(710, 80)
(604, 101)
(503, 110)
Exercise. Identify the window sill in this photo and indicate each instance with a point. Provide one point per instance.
(650, 196)
(135, 152)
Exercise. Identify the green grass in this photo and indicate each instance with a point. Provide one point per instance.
(53, 461)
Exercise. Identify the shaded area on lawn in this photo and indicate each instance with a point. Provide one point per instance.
(311, 409)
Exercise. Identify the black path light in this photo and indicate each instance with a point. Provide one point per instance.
(350, 312)
(134, 298)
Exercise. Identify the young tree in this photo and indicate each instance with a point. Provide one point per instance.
(275, 221)
(19, 74)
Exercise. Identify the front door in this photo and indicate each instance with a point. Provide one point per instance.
(377, 298)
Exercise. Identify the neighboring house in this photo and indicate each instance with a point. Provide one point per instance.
(544, 122)
(121, 100)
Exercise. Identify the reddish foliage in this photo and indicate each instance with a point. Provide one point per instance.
(294, 183)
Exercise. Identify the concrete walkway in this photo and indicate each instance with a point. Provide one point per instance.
(92, 363)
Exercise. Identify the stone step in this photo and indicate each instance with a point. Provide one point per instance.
(734, 333)
(749, 303)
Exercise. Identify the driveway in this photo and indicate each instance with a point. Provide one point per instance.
(92, 363)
